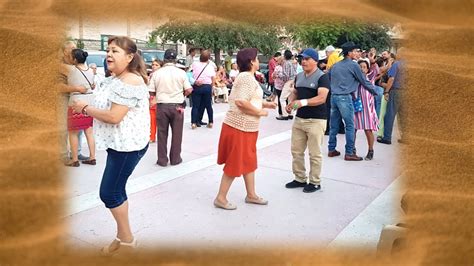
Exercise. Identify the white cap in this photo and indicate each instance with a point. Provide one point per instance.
(330, 48)
(178, 65)
(322, 55)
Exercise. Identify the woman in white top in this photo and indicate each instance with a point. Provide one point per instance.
(122, 127)
(80, 75)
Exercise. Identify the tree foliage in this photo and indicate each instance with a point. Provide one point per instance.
(219, 35)
(322, 34)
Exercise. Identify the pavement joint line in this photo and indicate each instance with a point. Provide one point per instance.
(91, 199)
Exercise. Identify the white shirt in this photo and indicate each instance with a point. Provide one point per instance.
(133, 132)
(233, 73)
(169, 83)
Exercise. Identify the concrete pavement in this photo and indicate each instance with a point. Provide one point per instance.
(172, 206)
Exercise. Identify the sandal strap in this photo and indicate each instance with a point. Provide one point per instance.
(131, 244)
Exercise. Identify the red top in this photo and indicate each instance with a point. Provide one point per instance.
(271, 67)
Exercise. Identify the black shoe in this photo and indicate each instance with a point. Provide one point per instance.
(388, 142)
(202, 123)
(326, 133)
(311, 188)
(290, 117)
(198, 124)
(370, 155)
(282, 118)
(295, 184)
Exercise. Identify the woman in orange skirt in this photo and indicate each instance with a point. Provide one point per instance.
(155, 65)
(238, 139)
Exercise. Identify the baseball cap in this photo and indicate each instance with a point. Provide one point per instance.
(310, 52)
(170, 54)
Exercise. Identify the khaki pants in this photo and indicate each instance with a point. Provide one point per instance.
(307, 133)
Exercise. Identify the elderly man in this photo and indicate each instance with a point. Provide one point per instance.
(333, 56)
(346, 77)
(170, 85)
(311, 90)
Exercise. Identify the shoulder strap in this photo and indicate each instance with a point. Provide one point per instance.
(90, 84)
(202, 70)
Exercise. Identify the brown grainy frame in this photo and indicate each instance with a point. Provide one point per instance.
(439, 179)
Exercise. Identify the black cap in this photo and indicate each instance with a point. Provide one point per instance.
(170, 54)
(349, 46)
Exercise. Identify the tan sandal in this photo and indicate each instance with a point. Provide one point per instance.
(210, 125)
(106, 251)
(258, 201)
(228, 206)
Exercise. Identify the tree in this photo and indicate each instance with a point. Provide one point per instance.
(219, 35)
(322, 34)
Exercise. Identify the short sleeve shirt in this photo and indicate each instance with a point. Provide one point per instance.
(133, 132)
(307, 87)
(169, 83)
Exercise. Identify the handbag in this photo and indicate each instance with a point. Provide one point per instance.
(357, 102)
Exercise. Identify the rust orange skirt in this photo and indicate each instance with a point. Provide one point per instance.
(237, 150)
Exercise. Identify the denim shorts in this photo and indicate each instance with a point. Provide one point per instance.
(118, 168)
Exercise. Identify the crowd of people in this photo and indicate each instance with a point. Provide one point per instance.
(341, 92)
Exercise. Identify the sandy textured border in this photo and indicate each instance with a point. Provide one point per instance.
(437, 163)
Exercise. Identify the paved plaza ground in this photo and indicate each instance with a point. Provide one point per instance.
(172, 206)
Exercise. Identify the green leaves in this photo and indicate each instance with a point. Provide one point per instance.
(220, 35)
(319, 34)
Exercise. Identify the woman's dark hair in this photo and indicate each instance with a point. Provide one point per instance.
(79, 55)
(379, 61)
(205, 55)
(137, 65)
(277, 54)
(245, 58)
(365, 62)
(288, 54)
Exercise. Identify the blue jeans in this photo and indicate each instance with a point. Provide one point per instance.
(118, 168)
(394, 107)
(202, 99)
(378, 99)
(342, 107)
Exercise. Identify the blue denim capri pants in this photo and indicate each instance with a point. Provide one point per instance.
(118, 168)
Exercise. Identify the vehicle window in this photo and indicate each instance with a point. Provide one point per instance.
(96, 59)
(150, 56)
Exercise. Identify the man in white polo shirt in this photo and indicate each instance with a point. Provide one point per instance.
(170, 85)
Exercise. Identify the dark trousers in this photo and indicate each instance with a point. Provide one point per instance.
(118, 168)
(394, 107)
(278, 94)
(168, 115)
(202, 100)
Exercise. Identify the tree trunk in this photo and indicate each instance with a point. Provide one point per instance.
(217, 54)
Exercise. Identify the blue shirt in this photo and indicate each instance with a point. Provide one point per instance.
(396, 71)
(346, 76)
